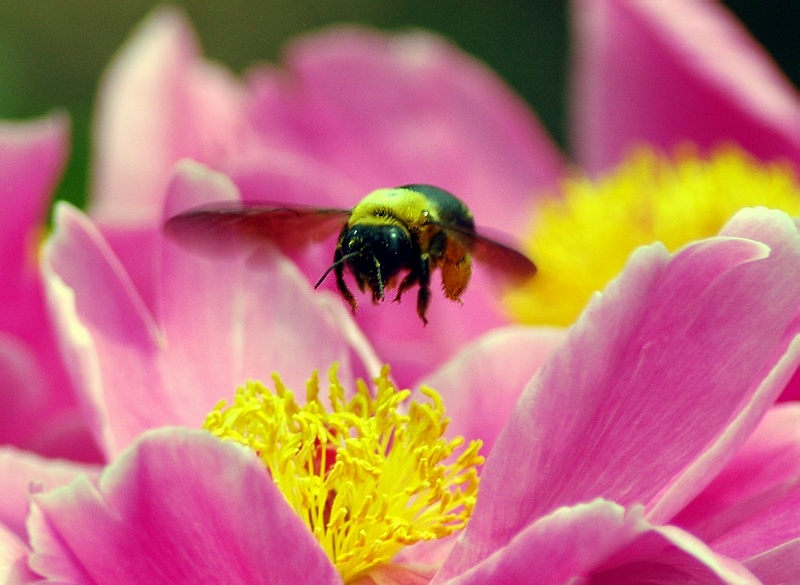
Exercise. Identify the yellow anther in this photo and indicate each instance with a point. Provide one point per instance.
(367, 478)
(582, 241)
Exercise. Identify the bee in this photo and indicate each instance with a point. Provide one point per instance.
(393, 238)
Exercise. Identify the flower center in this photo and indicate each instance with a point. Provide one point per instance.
(581, 241)
(365, 477)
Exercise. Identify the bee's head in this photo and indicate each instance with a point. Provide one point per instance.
(375, 254)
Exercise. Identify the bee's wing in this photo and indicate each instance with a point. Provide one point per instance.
(506, 261)
(225, 227)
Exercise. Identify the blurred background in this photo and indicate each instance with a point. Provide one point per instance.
(52, 52)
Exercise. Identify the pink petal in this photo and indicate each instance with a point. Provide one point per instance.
(221, 324)
(415, 350)
(778, 565)
(685, 559)
(159, 102)
(655, 387)
(32, 156)
(180, 506)
(39, 405)
(286, 325)
(792, 390)
(752, 508)
(285, 176)
(113, 323)
(569, 542)
(14, 560)
(23, 472)
(393, 110)
(136, 248)
(39, 411)
(668, 72)
(395, 574)
(481, 385)
(603, 543)
(23, 390)
(767, 383)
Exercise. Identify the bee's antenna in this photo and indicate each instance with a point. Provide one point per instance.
(334, 265)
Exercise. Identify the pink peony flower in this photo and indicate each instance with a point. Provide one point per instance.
(622, 460)
(40, 411)
(619, 455)
(137, 372)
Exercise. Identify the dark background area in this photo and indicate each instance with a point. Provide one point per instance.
(53, 52)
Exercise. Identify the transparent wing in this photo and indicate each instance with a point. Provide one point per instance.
(225, 227)
(505, 260)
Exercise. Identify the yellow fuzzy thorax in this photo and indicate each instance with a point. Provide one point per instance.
(385, 206)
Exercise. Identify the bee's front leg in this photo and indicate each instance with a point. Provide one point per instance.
(410, 280)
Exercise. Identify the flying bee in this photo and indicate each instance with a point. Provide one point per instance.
(393, 238)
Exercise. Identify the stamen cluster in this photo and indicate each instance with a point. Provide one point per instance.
(365, 476)
(582, 240)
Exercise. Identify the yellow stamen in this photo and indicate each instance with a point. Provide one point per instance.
(582, 241)
(366, 478)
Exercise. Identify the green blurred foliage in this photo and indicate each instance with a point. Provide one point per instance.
(53, 52)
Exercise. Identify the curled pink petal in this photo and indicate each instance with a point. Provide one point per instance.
(604, 543)
(180, 506)
(76, 256)
(14, 560)
(751, 511)
(482, 383)
(668, 337)
(22, 473)
(666, 554)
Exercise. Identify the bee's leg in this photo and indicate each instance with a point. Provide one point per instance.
(410, 280)
(414, 269)
(378, 293)
(424, 294)
(338, 270)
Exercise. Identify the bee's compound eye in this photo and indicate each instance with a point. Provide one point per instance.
(379, 252)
